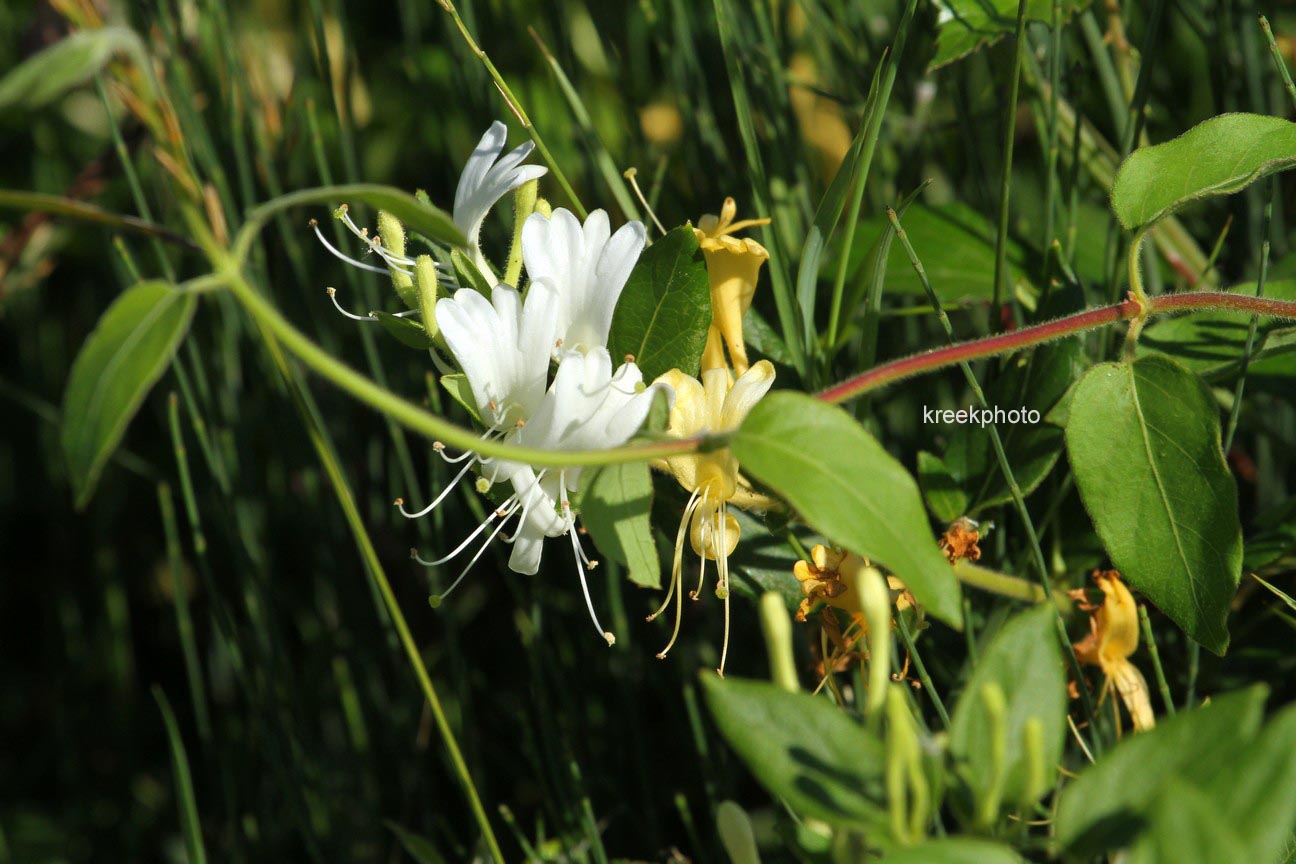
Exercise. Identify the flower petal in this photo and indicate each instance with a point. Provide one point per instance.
(746, 392)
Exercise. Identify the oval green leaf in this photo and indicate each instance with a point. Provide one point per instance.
(1106, 805)
(664, 312)
(1144, 443)
(616, 507)
(1025, 660)
(1216, 157)
(803, 749)
(115, 369)
(405, 331)
(69, 63)
(848, 488)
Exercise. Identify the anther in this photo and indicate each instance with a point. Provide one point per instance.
(593, 565)
(629, 358)
(332, 292)
(438, 446)
(399, 502)
(312, 223)
(611, 640)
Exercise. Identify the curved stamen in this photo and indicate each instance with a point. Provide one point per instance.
(354, 263)
(679, 554)
(332, 293)
(696, 593)
(723, 561)
(374, 245)
(579, 554)
(400, 502)
(495, 514)
(484, 547)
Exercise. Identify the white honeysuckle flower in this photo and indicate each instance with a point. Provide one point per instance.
(487, 177)
(588, 265)
(503, 346)
(588, 406)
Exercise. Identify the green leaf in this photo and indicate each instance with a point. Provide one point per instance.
(759, 335)
(943, 491)
(407, 331)
(1033, 381)
(1216, 157)
(468, 274)
(957, 246)
(1144, 443)
(616, 507)
(962, 26)
(1256, 792)
(431, 222)
(1025, 660)
(115, 369)
(1186, 827)
(1211, 343)
(1106, 805)
(665, 309)
(803, 749)
(64, 65)
(186, 803)
(853, 492)
(736, 834)
(456, 384)
(954, 850)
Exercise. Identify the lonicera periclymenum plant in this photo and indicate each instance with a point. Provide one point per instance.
(612, 386)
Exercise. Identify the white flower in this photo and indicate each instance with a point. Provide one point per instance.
(503, 348)
(588, 266)
(487, 177)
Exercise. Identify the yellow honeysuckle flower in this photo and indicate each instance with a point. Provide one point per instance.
(833, 577)
(1113, 637)
(717, 403)
(733, 265)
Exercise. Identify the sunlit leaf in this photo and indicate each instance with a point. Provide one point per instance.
(115, 369)
(664, 311)
(1216, 157)
(962, 26)
(848, 488)
(1144, 443)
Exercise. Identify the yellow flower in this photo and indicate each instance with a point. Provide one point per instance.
(717, 403)
(733, 265)
(833, 577)
(1113, 637)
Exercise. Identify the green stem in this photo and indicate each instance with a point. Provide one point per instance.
(1231, 427)
(1162, 685)
(516, 107)
(921, 669)
(1278, 59)
(412, 416)
(1005, 183)
(996, 441)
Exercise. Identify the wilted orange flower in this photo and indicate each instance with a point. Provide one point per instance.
(1113, 637)
(960, 540)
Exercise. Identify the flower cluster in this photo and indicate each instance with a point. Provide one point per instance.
(536, 363)
(507, 343)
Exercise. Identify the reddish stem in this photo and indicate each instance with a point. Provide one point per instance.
(928, 361)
